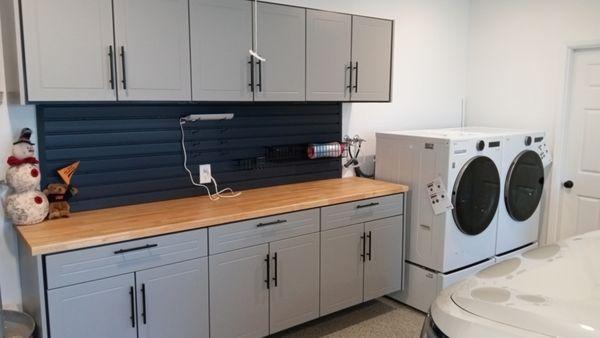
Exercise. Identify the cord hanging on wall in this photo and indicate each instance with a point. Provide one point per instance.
(254, 52)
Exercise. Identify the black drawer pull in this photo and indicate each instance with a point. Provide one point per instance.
(259, 84)
(349, 86)
(251, 84)
(144, 311)
(367, 205)
(132, 299)
(124, 80)
(268, 280)
(279, 221)
(147, 246)
(369, 235)
(112, 67)
(364, 245)
(275, 264)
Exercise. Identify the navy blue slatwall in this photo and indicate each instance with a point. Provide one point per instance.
(132, 154)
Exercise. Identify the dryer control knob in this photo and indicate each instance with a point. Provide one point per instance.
(528, 141)
(480, 145)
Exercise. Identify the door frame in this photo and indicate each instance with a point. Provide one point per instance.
(552, 217)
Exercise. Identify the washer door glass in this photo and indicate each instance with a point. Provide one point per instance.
(476, 194)
(524, 185)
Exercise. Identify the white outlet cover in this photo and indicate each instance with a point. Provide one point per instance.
(205, 174)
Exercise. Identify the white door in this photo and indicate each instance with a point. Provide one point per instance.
(173, 300)
(67, 47)
(342, 255)
(385, 257)
(221, 36)
(294, 296)
(153, 50)
(580, 204)
(239, 293)
(98, 309)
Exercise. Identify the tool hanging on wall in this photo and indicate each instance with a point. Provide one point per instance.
(322, 150)
(356, 144)
(254, 52)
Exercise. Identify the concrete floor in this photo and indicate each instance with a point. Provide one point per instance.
(382, 317)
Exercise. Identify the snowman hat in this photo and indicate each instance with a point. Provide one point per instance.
(24, 137)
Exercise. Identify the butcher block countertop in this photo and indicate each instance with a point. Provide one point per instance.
(106, 226)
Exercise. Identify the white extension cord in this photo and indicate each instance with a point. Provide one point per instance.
(218, 193)
(254, 52)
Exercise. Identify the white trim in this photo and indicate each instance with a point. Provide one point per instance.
(552, 217)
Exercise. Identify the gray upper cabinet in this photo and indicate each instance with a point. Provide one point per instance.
(153, 51)
(221, 36)
(67, 45)
(173, 300)
(328, 48)
(282, 41)
(99, 309)
(371, 56)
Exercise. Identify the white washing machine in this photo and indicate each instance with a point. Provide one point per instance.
(522, 187)
(446, 247)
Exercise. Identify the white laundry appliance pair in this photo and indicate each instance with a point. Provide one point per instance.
(467, 169)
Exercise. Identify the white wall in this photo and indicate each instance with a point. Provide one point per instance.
(517, 58)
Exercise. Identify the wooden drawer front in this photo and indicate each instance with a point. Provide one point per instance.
(262, 230)
(115, 259)
(361, 211)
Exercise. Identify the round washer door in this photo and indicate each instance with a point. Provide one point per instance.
(475, 195)
(524, 185)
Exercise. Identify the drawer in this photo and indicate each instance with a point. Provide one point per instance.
(262, 230)
(110, 260)
(361, 211)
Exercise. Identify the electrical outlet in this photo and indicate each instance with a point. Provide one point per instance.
(205, 174)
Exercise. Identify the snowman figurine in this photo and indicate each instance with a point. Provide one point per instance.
(25, 203)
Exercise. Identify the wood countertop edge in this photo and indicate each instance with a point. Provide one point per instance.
(187, 225)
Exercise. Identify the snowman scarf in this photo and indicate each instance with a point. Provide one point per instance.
(14, 161)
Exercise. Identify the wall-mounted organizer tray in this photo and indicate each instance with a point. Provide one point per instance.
(132, 153)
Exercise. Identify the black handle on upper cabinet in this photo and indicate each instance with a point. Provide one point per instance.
(132, 299)
(279, 221)
(147, 246)
(349, 86)
(356, 78)
(364, 243)
(370, 246)
(251, 63)
(144, 312)
(367, 205)
(112, 67)
(275, 264)
(268, 280)
(259, 84)
(124, 80)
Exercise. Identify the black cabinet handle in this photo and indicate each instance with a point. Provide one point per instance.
(251, 84)
(268, 272)
(259, 84)
(349, 86)
(147, 246)
(364, 243)
(144, 312)
(112, 67)
(124, 80)
(370, 247)
(367, 205)
(356, 78)
(279, 221)
(275, 264)
(131, 296)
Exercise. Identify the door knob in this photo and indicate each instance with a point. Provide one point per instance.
(568, 184)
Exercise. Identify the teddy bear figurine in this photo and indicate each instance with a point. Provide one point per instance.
(59, 195)
(25, 204)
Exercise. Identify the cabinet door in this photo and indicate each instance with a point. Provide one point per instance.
(341, 268)
(328, 38)
(294, 297)
(153, 51)
(66, 45)
(372, 56)
(239, 297)
(383, 266)
(221, 36)
(99, 309)
(281, 40)
(173, 300)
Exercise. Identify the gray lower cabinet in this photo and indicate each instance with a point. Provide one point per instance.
(361, 262)
(239, 296)
(372, 57)
(328, 50)
(172, 300)
(294, 292)
(220, 37)
(99, 309)
(281, 40)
